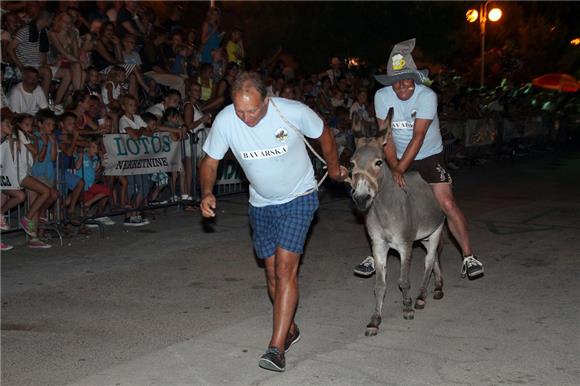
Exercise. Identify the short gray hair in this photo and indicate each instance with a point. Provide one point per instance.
(247, 81)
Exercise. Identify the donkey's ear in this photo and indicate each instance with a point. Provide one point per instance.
(384, 132)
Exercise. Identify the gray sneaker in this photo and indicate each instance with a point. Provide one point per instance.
(471, 267)
(366, 267)
(273, 360)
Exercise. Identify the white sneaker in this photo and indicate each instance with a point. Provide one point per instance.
(134, 221)
(144, 220)
(105, 220)
(185, 197)
(366, 267)
(471, 267)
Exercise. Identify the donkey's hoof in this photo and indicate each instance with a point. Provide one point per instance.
(438, 295)
(409, 315)
(419, 304)
(371, 331)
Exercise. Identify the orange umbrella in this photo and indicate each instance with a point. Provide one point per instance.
(558, 82)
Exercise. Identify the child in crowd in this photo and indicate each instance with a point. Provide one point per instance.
(172, 99)
(23, 152)
(44, 163)
(131, 56)
(84, 124)
(172, 123)
(93, 86)
(112, 90)
(179, 65)
(9, 198)
(137, 185)
(68, 139)
(160, 179)
(88, 167)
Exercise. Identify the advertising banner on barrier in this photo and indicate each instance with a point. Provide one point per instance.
(229, 172)
(8, 174)
(145, 155)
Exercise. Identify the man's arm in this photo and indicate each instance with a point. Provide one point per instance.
(328, 144)
(207, 177)
(399, 167)
(419, 131)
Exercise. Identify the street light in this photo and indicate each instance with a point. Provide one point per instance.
(494, 15)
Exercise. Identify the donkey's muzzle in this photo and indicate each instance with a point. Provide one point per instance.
(362, 201)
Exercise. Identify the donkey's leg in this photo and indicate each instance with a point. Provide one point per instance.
(431, 244)
(438, 294)
(405, 251)
(380, 250)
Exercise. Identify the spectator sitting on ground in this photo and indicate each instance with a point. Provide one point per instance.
(27, 96)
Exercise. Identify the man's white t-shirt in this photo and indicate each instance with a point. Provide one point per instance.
(21, 101)
(422, 105)
(136, 123)
(272, 154)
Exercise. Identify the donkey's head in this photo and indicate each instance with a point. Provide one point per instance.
(368, 163)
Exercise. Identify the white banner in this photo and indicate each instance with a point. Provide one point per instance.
(8, 175)
(127, 156)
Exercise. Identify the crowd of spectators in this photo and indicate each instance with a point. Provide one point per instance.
(71, 74)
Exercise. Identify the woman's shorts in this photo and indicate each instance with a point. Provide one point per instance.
(285, 226)
(95, 190)
(432, 169)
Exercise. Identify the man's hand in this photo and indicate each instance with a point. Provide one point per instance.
(207, 206)
(339, 174)
(398, 176)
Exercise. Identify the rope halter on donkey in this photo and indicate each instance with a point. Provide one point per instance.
(382, 137)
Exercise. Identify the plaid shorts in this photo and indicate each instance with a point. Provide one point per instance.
(285, 226)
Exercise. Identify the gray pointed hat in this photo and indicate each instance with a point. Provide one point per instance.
(402, 66)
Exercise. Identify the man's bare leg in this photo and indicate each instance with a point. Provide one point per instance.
(455, 218)
(282, 276)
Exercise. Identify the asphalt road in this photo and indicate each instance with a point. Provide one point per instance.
(170, 304)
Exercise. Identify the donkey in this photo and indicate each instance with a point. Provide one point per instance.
(395, 218)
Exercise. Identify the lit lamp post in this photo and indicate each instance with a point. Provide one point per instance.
(472, 15)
